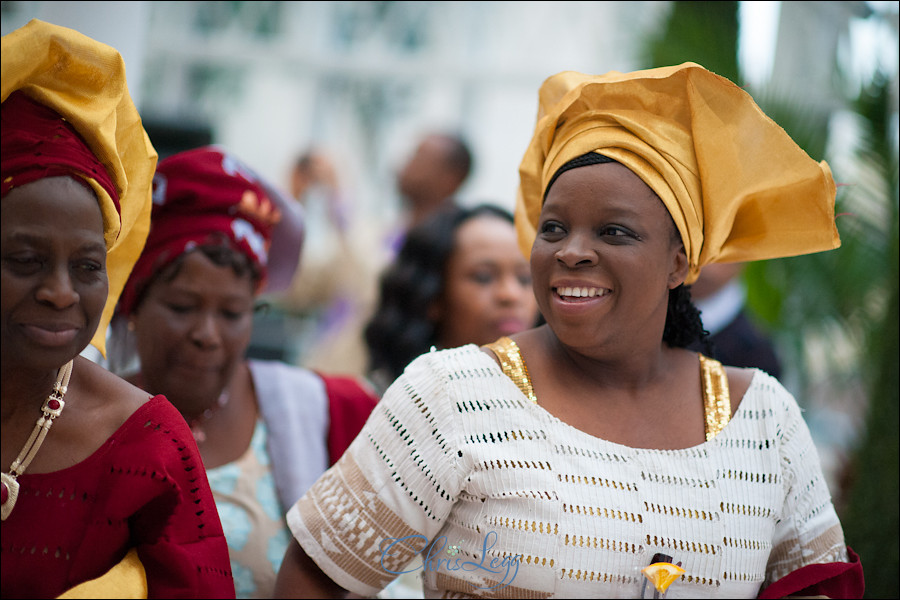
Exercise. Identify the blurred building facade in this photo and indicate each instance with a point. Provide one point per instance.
(364, 79)
(360, 79)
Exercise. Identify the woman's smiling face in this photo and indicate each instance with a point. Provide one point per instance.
(53, 270)
(605, 256)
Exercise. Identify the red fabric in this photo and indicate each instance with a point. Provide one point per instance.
(145, 487)
(36, 142)
(199, 196)
(349, 405)
(835, 580)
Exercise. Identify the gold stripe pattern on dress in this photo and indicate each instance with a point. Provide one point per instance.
(716, 399)
(714, 381)
(513, 365)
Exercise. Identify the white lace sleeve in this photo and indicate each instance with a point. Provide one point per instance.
(381, 503)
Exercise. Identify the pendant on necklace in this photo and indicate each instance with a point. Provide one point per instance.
(10, 492)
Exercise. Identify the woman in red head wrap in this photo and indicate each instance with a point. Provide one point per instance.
(112, 501)
(220, 236)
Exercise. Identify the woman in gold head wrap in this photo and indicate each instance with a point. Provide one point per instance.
(113, 500)
(565, 460)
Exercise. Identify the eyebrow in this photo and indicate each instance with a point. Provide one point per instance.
(41, 241)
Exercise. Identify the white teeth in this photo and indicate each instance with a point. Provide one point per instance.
(579, 292)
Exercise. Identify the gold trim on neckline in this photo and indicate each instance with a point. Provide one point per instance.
(713, 379)
(716, 398)
(513, 366)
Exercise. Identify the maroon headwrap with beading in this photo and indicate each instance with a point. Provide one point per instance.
(202, 196)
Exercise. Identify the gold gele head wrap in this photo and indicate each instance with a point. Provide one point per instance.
(84, 81)
(737, 186)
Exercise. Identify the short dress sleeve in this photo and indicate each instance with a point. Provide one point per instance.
(808, 530)
(390, 492)
(174, 520)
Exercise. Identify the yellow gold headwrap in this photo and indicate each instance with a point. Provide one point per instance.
(736, 185)
(84, 81)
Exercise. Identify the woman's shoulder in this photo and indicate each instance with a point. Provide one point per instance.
(767, 398)
(113, 393)
(262, 369)
(455, 376)
(100, 402)
(465, 355)
(279, 373)
(739, 382)
(107, 418)
(462, 364)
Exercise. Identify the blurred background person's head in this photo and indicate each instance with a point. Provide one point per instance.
(433, 174)
(313, 168)
(458, 279)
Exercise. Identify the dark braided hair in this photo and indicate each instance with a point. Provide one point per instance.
(400, 328)
(683, 324)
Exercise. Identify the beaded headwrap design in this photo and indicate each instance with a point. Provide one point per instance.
(206, 195)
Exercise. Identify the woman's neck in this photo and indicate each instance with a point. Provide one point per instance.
(623, 367)
(24, 389)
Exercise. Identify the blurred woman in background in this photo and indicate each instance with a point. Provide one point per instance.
(459, 278)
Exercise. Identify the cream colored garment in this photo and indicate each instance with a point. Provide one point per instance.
(456, 453)
(736, 185)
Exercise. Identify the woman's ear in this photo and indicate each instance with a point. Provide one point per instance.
(680, 267)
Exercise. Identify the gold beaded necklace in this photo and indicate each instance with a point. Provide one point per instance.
(53, 407)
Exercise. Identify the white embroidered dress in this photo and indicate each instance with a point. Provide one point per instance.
(508, 501)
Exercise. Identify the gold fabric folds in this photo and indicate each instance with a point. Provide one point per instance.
(737, 186)
(127, 579)
(84, 81)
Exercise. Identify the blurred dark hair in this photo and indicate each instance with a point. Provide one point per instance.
(459, 156)
(400, 329)
(683, 324)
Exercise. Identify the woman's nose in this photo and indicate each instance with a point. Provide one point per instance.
(512, 289)
(205, 332)
(576, 250)
(57, 288)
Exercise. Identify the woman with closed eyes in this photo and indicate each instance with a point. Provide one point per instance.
(219, 235)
